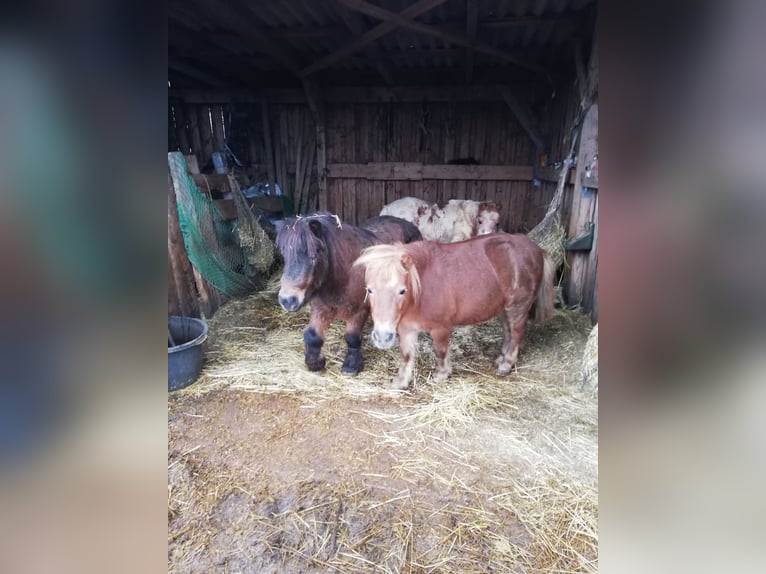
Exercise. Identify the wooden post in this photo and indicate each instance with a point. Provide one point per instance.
(267, 144)
(182, 298)
(317, 107)
(583, 264)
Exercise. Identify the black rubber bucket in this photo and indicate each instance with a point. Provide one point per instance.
(185, 357)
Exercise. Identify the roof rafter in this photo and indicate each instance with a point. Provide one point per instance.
(353, 22)
(371, 35)
(452, 38)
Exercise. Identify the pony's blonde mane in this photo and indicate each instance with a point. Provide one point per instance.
(383, 260)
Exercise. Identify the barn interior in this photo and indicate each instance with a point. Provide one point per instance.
(348, 105)
(281, 107)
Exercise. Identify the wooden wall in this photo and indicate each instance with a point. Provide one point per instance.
(392, 133)
(399, 137)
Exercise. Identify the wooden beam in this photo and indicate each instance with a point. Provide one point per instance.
(472, 19)
(525, 117)
(450, 37)
(353, 22)
(417, 171)
(312, 33)
(500, 23)
(346, 95)
(316, 32)
(371, 35)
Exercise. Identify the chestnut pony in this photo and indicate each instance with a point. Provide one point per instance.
(430, 286)
(318, 251)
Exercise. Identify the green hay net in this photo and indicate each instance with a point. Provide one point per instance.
(235, 257)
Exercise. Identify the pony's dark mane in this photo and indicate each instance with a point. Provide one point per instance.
(296, 235)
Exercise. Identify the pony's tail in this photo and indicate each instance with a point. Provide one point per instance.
(545, 293)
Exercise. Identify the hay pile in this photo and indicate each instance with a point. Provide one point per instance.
(590, 362)
(472, 475)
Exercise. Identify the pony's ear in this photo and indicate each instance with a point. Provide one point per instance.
(498, 206)
(407, 261)
(316, 228)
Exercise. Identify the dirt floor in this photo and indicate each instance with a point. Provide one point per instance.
(274, 469)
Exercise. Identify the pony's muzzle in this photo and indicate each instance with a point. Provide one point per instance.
(383, 339)
(290, 302)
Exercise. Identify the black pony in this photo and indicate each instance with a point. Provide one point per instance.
(318, 251)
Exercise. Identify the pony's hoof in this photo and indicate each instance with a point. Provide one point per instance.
(350, 371)
(399, 385)
(441, 377)
(316, 364)
(504, 371)
(353, 365)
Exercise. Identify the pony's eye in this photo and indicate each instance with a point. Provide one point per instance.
(402, 291)
(369, 291)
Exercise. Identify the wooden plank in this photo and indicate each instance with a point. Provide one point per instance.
(318, 109)
(370, 36)
(416, 171)
(298, 162)
(446, 36)
(206, 134)
(591, 267)
(352, 188)
(284, 151)
(192, 164)
(307, 202)
(267, 144)
(181, 133)
(205, 181)
(218, 137)
(479, 136)
(192, 116)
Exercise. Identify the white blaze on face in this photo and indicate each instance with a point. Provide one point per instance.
(487, 222)
(385, 304)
